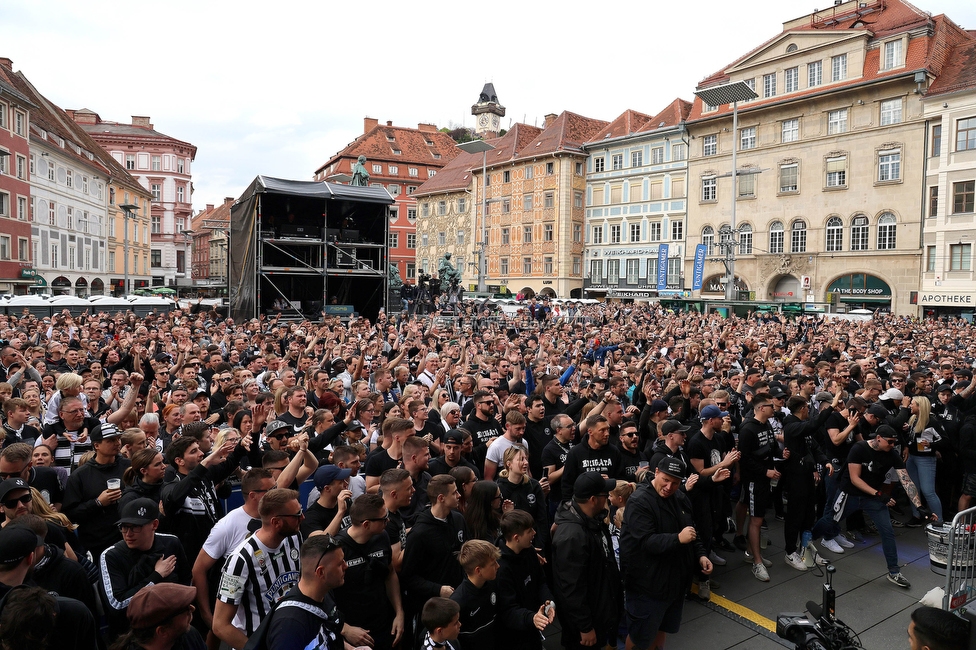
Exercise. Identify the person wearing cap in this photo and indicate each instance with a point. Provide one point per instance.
(757, 447)
(593, 454)
(190, 501)
(654, 413)
(143, 557)
(586, 579)
(861, 488)
(15, 502)
(453, 441)
(800, 471)
(16, 461)
(74, 625)
(159, 618)
(88, 501)
(329, 510)
(710, 458)
(260, 570)
(660, 551)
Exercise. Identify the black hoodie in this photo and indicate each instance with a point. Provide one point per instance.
(97, 528)
(522, 590)
(430, 557)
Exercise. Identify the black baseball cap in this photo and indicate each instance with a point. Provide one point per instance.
(591, 484)
(139, 512)
(11, 484)
(673, 466)
(672, 426)
(16, 543)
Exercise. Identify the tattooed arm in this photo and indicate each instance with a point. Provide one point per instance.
(910, 489)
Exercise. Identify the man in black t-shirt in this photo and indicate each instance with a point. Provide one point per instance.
(594, 454)
(538, 432)
(554, 458)
(329, 509)
(633, 463)
(370, 597)
(482, 425)
(453, 442)
(860, 489)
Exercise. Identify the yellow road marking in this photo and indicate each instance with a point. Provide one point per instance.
(739, 610)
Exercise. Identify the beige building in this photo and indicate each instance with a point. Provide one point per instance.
(949, 229)
(535, 198)
(831, 158)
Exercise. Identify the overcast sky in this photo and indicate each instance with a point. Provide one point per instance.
(276, 88)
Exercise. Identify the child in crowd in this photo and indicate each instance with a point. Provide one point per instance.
(476, 595)
(441, 617)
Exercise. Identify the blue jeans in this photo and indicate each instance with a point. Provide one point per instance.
(875, 507)
(922, 471)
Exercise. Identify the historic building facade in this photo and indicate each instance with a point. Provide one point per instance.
(399, 159)
(636, 202)
(209, 262)
(161, 164)
(949, 230)
(831, 158)
(17, 270)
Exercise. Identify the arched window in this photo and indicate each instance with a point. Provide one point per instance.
(708, 239)
(798, 236)
(835, 235)
(776, 235)
(886, 232)
(745, 239)
(791, 47)
(724, 237)
(859, 233)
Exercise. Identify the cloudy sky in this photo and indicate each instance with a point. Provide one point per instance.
(275, 88)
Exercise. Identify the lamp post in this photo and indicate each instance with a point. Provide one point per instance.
(127, 210)
(482, 147)
(731, 93)
(187, 267)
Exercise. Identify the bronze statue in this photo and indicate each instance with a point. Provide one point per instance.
(394, 277)
(360, 177)
(446, 271)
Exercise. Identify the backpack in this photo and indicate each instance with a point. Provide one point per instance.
(259, 640)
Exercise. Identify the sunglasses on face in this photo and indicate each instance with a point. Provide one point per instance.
(12, 503)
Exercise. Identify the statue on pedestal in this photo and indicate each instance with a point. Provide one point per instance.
(394, 277)
(360, 177)
(446, 271)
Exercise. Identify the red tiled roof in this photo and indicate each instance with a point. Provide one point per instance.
(674, 114)
(515, 140)
(628, 122)
(452, 177)
(567, 132)
(880, 18)
(959, 73)
(375, 144)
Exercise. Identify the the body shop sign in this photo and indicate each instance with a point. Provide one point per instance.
(860, 285)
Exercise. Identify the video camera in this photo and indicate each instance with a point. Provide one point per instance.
(826, 632)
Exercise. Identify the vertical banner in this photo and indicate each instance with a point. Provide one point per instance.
(662, 267)
(699, 270)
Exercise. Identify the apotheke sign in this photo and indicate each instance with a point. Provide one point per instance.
(946, 299)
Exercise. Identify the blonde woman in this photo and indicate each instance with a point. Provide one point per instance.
(924, 434)
(68, 385)
(526, 493)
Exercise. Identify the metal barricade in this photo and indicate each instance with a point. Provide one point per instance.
(960, 572)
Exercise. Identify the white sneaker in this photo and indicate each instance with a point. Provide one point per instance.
(717, 559)
(831, 545)
(704, 590)
(748, 559)
(759, 570)
(843, 541)
(795, 561)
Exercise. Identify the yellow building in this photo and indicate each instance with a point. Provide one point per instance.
(124, 190)
(535, 198)
(830, 158)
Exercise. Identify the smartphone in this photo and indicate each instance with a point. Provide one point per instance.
(548, 610)
(545, 473)
(644, 463)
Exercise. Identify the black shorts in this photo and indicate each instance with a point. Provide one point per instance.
(647, 616)
(756, 497)
(969, 485)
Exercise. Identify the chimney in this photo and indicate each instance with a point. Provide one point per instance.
(550, 118)
(139, 120)
(83, 116)
(229, 200)
(369, 123)
(6, 63)
(389, 122)
(209, 207)
(427, 128)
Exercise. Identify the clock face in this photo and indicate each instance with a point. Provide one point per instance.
(483, 120)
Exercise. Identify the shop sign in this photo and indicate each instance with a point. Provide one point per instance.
(962, 299)
(860, 284)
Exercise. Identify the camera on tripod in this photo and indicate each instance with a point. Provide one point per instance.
(825, 631)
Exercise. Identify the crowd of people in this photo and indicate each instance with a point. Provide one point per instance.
(461, 482)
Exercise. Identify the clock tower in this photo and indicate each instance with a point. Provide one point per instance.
(488, 113)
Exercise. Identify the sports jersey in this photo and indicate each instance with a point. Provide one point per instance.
(255, 577)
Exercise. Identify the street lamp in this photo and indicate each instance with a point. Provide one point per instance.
(731, 93)
(482, 147)
(127, 210)
(187, 267)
